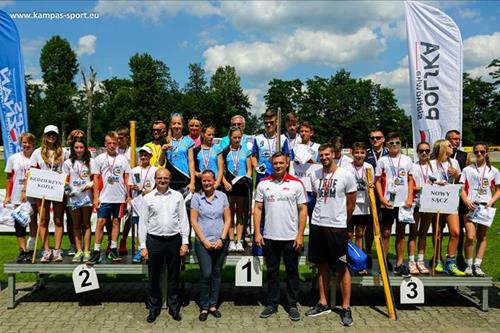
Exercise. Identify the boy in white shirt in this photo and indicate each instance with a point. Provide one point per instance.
(111, 171)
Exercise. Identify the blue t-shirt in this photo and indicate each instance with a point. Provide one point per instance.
(207, 159)
(263, 149)
(240, 157)
(210, 214)
(178, 155)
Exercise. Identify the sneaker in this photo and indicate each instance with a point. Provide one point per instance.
(95, 258)
(346, 317)
(369, 262)
(137, 259)
(46, 256)
(232, 246)
(478, 271)
(77, 257)
(422, 268)
(293, 314)
(239, 247)
(113, 256)
(451, 268)
(71, 250)
(28, 256)
(468, 271)
(21, 257)
(318, 310)
(268, 312)
(462, 265)
(86, 256)
(362, 272)
(439, 267)
(57, 256)
(402, 270)
(122, 250)
(412, 266)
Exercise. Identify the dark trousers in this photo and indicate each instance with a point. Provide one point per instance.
(211, 273)
(164, 252)
(272, 252)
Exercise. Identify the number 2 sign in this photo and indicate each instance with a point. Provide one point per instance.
(248, 272)
(84, 279)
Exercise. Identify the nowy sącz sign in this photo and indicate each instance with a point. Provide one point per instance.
(45, 183)
(439, 198)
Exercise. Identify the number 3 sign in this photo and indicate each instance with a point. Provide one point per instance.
(412, 291)
(84, 279)
(248, 273)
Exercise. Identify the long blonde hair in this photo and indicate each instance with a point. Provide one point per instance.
(439, 150)
(58, 151)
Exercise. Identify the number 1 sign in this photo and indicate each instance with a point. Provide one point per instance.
(248, 272)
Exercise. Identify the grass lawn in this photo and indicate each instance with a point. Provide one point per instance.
(9, 251)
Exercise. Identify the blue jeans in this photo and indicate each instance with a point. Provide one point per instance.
(211, 273)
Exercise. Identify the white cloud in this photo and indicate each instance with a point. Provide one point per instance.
(468, 13)
(481, 49)
(303, 46)
(155, 9)
(6, 3)
(32, 47)
(481, 71)
(184, 44)
(256, 98)
(86, 45)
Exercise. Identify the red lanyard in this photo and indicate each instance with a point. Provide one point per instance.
(424, 175)
(444, 173)
(269, 145)
(357, 172)
(482, 177)
(79, 170)
(206, 159)
(394, 171)
(235, 160)
(145, 177)
(110, 167)
(326, 184)
(25, 169)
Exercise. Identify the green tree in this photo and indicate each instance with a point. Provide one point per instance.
(34, 102)
(284, 94)
(59, 66)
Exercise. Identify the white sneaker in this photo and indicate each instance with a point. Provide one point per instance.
(478, 271)
(239, 247)
(232, 246)
(71, 250)
(46, 256)
(468, 271)
(57, 256)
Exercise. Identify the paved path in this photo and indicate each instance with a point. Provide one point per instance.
(56, 309)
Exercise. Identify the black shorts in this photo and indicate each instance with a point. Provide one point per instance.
(389, 216)
(239, 190)
(360, 220)
(328, 245)
(20, 230)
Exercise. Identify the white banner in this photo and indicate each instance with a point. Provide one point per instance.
(435, 66)
(440, 198)
(45, 183)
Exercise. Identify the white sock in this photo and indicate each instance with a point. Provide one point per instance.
(478, 261)
(97, 247)
(31, 244)
(420, 257)
(411, 258)
(468, 261)
(113, 245)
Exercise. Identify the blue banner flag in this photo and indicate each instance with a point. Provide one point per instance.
(14, 115)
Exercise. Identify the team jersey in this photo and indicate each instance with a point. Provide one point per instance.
(19, 166)
(144, 178)
(440, 169)
(156, 149)
(303, 169)
(394, 174)
(421, 174)
(235, 161)
(263, 149)
(178, 155)
(343, 161)
(111, 170)
(37, 161)
(280, 199)
(127, 152)
(479, 182)
(79, 177)
(290, 144)
(362, 198)
(206, 159)
(331, 200)
(371, 156)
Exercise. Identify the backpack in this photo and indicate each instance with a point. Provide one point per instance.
(356, 258)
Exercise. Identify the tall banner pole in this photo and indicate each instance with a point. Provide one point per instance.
(13, 107)
(389, 296)
(278, 130)
(133, 146)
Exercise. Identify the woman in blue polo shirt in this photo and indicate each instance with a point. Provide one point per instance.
(208, 157)
(238, 163)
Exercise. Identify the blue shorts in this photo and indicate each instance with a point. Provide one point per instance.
(108, 210)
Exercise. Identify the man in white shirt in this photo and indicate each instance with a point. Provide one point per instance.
(335, 190)
(163, 237)
(283, 199)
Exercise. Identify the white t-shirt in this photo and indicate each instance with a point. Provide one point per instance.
(125, 152)
(79, 177)
(478, 182)
(280, 200)
(440, 170)
(394, 173)
(331, 201)
(38, 162)
(144, 178)
(362, 197)
(18, 165)
(343, 161)
(421, 174)
(111, 171)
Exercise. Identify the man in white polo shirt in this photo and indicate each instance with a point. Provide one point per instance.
(335, 190)
(283, 199)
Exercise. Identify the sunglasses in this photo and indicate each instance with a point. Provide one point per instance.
(154, 130)
(477, 152)
(237, 124)
(421, 151)
(394, 143)
(269, 122)
(376, 138)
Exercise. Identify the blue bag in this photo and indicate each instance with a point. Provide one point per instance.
(356, 258)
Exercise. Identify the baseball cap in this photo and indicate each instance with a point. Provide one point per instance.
(50, 128)
(146, 149)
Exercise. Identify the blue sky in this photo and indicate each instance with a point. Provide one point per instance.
(263, 40)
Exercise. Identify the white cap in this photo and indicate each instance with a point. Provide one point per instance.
(50, 128)
(146, 149)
